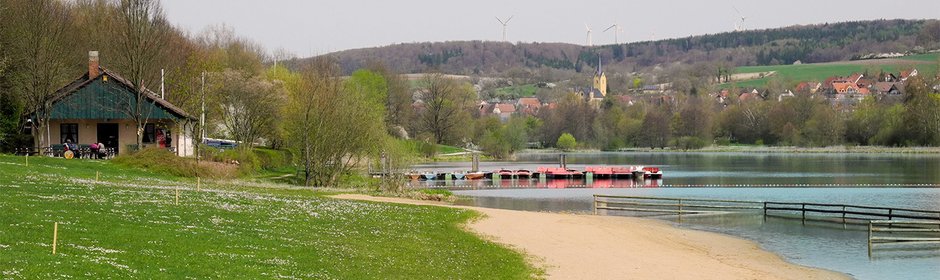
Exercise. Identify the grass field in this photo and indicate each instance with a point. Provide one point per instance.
(128, 225)
(517, 91)
(925, 63)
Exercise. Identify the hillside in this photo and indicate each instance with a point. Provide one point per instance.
(807, 44)
(926, 63)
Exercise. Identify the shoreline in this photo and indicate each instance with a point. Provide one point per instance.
(761, 150)
(572, 246)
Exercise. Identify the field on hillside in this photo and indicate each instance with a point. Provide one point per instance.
(925, 63)
(128, 225)
(515, 92)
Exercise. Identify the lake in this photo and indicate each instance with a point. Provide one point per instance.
(860, 179)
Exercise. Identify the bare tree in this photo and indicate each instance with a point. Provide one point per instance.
(142, 33)
(249, 105)
(39, 33)
(446, 107)
(331, 127)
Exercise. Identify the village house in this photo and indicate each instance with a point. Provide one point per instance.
(528, 105)
(808, 87)
(501, 110)
(907, 74)
(99, 106)
(786, 94)
(888, 88)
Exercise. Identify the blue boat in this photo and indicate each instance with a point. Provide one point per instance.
(459, 176)
(430, 176)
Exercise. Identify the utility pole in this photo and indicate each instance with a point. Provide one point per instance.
(162, 82)
(202, 116)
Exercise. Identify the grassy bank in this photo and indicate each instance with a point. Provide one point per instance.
(128, 225)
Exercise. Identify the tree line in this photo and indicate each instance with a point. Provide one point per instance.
(693, 121)
(329, 123)
(808, 43)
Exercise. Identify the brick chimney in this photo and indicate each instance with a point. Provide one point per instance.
(93, 71)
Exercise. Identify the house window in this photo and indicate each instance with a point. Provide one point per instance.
(149, 133)
(68, 131)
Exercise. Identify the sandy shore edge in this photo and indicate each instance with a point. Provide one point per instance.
(571, 246)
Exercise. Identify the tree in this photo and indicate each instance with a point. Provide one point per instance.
(566, 142)
(656, 132)
(447, 106)
(921, 117)
(249, 106)
(825, 127)
(501, 141)
(398, 109)
(141, 35)
(330, 124)
(38, 35)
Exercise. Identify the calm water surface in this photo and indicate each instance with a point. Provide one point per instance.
(816, 244)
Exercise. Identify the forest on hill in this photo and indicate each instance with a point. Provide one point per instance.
(804, 43)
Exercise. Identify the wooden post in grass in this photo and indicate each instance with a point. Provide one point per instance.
(177, 195)
(27, 158)
(55, 236)
(198, 183)
(97, 175)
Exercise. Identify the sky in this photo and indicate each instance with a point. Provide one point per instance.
(307, 28)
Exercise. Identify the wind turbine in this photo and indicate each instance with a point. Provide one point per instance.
(617, 30)
(739, 26)
(589, 41)
(505, 24)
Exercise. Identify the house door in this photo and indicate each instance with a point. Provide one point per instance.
(108, 135)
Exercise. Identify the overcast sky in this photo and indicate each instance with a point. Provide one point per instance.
(317, 27)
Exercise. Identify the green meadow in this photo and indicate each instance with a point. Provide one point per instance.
(925, 63)
(127, 224)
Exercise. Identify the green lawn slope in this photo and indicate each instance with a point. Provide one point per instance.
(129, 225)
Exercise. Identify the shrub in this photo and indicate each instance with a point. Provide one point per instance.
(271, 159)
(689, 143)
(165, 162)
(566, 142)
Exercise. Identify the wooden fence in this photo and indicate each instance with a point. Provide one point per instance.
(902, 232)
(886, 225)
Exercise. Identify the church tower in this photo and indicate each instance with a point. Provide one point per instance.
(600, 79)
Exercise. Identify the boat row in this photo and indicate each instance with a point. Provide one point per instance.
(601, 172)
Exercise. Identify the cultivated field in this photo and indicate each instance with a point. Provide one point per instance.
(926, 64)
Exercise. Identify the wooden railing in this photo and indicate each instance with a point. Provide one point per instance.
(670, 205)
(847, 212)
(902, 232)
(886, 225)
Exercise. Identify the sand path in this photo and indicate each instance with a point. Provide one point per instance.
(570, 246)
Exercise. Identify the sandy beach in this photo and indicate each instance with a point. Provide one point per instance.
(571, 246)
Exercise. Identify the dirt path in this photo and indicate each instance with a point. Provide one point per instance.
(573, 246)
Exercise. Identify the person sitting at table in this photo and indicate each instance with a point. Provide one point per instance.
(102, 150)
(93, 149)
(69, 148)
